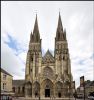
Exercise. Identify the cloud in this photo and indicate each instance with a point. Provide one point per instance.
(12, 43)
(10, 62)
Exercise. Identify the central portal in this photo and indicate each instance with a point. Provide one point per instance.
(47, 92)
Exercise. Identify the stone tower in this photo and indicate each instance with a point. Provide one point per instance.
(48, 76)
(34, 58)
(62, 59)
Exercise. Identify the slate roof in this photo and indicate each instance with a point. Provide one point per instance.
(3, 71)
(18, 82)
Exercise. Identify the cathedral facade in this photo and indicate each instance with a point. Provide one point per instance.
(48, 76)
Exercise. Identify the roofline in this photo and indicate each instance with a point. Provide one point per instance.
(4, 71)
(18, 79)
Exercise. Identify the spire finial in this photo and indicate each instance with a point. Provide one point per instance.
(59, 10)
(36, 13)
(59, 20)
(59, 28)
(36, 30)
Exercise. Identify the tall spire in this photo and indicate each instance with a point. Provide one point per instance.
(59, 32)
(36, 31)
(31, 37)
(60, 23)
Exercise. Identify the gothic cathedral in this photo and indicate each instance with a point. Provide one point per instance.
(48, 76)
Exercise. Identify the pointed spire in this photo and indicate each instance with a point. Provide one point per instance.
(36, 26)
(48, 51)
(31, 37)
(60, 27)
(59, 32)
(36, 31)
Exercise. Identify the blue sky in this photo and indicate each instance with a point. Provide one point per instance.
(12, 43)
(17, 22)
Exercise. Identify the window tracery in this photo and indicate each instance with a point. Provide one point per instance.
(48, 72)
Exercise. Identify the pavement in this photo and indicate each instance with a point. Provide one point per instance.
(21, 98)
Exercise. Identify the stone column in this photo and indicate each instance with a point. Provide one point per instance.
(33, 95)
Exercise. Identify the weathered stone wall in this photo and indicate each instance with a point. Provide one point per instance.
(7, 81)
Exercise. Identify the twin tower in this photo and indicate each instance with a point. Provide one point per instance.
(48, 76)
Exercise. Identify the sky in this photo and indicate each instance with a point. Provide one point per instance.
(17, 22)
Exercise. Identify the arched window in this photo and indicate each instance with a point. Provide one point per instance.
(59, 94)
(23, 89)
(31, 57)
(18, 89)
(63, 57)
(13, 89)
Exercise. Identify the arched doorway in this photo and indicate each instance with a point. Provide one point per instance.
(13, 89)
(47, 88)
(28, 89)
(58, 89)
(36, 89)
(47, 91)
(23, 89)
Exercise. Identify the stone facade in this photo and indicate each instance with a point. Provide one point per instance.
(89, 87)
(6, 81)
(48, 76)
(18, 87)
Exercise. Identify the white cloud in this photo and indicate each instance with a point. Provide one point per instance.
(10, 62)
(22, 56)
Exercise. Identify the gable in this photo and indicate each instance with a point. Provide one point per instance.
(48, 57)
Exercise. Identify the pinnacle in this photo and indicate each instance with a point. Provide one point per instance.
(36, 26)
(60, 22)
(36, 31)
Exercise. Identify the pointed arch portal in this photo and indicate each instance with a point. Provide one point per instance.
(36, 89)
(58, 89)
(47, 88)
(28, 89)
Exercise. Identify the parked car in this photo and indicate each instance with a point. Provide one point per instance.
(91, 96)
(80, 95)
(6, 96)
